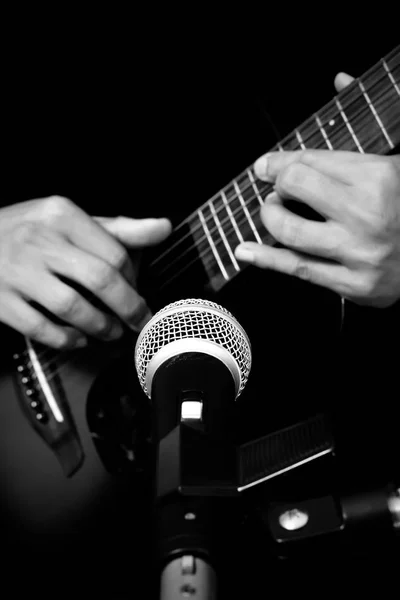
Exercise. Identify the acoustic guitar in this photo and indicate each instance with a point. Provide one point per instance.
(62, 442)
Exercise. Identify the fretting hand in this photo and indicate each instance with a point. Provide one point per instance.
(356, 250)
(46, 243)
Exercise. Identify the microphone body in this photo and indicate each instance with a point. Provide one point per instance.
(197, 378)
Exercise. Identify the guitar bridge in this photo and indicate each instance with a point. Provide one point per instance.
(45, 405)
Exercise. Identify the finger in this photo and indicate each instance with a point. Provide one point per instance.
(311, 237)
(324, 194)
(332, 276)
(338, 164)
(18, 314)
(136, 233)
(67, 304)
(85, 233)
(342, 80)
(102, 280)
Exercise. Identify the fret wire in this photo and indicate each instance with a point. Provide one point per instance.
(330, 106)
(209, 253)
(232, 218)
(319, 124)
(267, 189)
(348, 125)
(300, 140)
(343, 94)
(257, 236)
(359, 122)
(324, 135)
(381, 102)
(213, 248)
(222, 234)
(346, 92)
(389, 141)
(392, 79)
(226, 202)
(255, 188)
(266, 186)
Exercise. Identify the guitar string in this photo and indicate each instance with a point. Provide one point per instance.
(207, 255)
(328, 107)
(204, 255)
(337, 134)
(394, 54)
(254, 197)
(220, 207)
(342, 96)
(238, 211)
(59, 360)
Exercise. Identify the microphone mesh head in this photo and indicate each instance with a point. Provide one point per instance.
(193, 319)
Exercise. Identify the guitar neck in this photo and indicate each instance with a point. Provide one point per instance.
(364, 117)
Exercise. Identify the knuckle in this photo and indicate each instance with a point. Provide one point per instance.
(36, 329)
(119, 259)
(365, 286)
(40, 330)
(379, 255)
(302, 270)
(136, 312)
(26, 232)
(386, 172)
(103, 276)
(291, 232)
(66, 304)
(55, 208)
(102, 325)
(306, 157)
(61, 341)
(291, 178)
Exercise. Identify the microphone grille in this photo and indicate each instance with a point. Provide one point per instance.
(193, 319)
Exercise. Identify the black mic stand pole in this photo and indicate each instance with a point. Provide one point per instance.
(196, 472)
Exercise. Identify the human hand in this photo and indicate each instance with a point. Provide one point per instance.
(356, 250)
(358, 246)
(46, 245)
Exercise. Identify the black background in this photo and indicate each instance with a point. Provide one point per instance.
(149, 114)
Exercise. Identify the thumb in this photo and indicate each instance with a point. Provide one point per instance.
(136, 233)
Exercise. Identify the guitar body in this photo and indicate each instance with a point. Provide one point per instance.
(44, 492)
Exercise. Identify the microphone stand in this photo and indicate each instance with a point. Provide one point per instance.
(197, 473)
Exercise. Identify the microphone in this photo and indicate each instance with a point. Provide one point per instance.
(193, 360)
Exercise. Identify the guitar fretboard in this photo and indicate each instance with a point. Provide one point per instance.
(364, 117)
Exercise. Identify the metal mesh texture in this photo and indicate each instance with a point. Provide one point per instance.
(193, 318)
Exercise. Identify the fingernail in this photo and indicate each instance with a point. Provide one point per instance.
(81, 342)
(271, 196)
(243, 253)
(138, 324)
(115, 332)
(261, 168)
